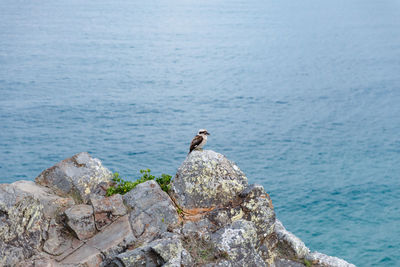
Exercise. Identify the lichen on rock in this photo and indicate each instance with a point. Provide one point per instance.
(77, 177)
(207, 179)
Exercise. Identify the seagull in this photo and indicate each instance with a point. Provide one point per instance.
(199, 140)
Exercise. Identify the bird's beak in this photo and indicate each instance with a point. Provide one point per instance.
(207, 133)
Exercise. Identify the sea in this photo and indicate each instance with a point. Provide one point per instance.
(303, 95)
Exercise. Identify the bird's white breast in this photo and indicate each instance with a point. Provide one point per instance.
(203, 142)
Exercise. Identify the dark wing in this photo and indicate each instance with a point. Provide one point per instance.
(195, 142)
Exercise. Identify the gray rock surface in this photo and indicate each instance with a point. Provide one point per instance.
(257, 208)
(25, 213)
(207, 179)
(77, 177)
(143, 256)
(326, 260)
(152, 211)
(239, 241)
(289, 244)
(80, 219)
(107, 209)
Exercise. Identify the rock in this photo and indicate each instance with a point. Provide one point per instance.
(257, 207)
(80, 219)
(107, 209)
(53, 205)
(152, 211)
(67, 221)
(38, 260)
(26, 210)
(11, 255)
(23, 225)
(167, 251)
(198, 229)
(78, 177)
(86, 256)
(326, 260)
(286, 263)
(171, 251)
(289, 245)
(207, 179)
(59, 239)
(143, 256)
(114, 239)
(238, 241)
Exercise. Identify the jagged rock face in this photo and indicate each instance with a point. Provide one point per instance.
(25, 213)
(167, 251)
(77, 177)
(239, 241)
(67, 221)
(207, 179)
(152, 210)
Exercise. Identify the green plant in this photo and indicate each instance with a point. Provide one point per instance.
(122, 186)
(307, 263)
(164, 181)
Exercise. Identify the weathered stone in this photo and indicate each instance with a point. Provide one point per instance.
(86, 256)
(143, 256)
(238, 240)
(75, 244)
(207, 179)
(222, 263)
(286, 263)
(114, 238)
(53, 205)
(38, 260)
(289, 245)
(224, 216)
(107, 209)
(80, 219)
(59, 239)
(11, 255)
(152, 211)
(77, 177)
(326, 260)
(22, 225)
(198, 229)
(257, 207)
(171, 251)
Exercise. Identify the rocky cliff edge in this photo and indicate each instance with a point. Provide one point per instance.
(210, 217)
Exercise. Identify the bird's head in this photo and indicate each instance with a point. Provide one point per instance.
(203, 132)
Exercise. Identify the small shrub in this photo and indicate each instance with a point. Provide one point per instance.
(307, 263)
(122, 186)
(164, 181)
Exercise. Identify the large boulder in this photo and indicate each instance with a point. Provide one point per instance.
(77, 177)
(207, 179)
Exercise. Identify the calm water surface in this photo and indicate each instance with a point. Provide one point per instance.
(303, 95)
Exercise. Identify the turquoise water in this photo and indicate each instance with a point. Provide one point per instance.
(303, 95)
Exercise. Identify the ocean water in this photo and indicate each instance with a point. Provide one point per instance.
(303, 95)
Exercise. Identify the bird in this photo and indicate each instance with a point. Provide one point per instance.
(199, 140)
